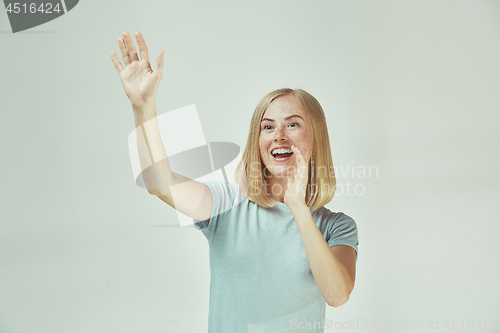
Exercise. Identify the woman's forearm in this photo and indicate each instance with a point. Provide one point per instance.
(331, 276)
(152, 156)
(186, 195)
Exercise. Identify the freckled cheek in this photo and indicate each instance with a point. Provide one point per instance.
(303, 141)
(263, 153)
(261, 143)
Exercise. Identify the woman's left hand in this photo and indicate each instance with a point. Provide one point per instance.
(296, 188)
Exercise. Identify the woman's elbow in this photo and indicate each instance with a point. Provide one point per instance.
(338, 301)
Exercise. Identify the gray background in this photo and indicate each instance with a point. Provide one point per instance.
(408, 86)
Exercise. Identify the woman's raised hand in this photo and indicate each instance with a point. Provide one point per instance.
(139, 80)
(296, 187)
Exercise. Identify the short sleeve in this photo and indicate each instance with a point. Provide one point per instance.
(343, 231)
(223, 195)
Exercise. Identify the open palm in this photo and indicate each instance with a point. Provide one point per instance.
(138, 78)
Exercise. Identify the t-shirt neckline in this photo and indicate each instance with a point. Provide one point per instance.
(282, 205)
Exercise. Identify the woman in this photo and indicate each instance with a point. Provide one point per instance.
(276, 254)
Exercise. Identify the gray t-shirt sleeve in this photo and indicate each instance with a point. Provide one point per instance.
(223, 195)
(343, 231)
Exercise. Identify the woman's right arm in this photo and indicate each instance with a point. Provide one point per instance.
(191, 198)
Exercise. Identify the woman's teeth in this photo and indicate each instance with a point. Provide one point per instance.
(281, 151)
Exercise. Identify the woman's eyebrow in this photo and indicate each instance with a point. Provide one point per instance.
(290, 117)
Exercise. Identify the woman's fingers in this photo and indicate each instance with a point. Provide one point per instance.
(296, 150)
(159, 64)
(301, 163)
(131, 47)
(123, 50)
(142, 46)
(117, 62)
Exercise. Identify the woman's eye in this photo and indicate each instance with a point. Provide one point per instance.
(268, 127)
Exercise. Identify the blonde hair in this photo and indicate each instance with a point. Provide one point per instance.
(321, 183)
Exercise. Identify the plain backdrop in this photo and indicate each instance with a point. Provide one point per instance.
(410, 88)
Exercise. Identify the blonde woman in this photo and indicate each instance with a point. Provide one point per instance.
(277, 255)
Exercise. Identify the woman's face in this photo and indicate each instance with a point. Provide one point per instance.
(285, 123)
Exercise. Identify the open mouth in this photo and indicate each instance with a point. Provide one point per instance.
(282, 154)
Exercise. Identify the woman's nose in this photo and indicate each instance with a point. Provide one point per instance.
(279, 135)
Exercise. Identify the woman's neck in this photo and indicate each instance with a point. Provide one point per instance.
(277, 188)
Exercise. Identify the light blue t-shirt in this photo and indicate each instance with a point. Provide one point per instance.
(261, 280)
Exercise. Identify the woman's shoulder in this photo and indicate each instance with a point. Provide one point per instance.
(334, 217)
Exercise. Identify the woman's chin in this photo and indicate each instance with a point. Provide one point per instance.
(283, 173)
